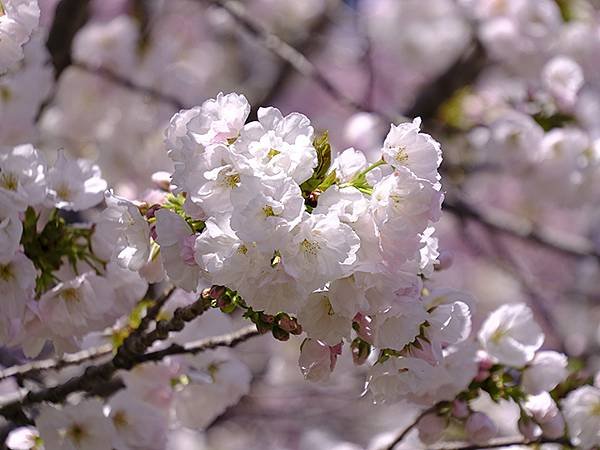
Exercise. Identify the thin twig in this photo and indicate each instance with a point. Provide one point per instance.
(285, 70)
(291, 55)
(120, 80)
(461, 73)
(127, 357)
(538, 303)
(408, 429)
(83, 356)
(227, 340)
(508, 224)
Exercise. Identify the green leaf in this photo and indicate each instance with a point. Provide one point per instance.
(323, 149)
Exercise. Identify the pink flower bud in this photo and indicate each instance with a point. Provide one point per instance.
(153, 233)
(529, 429)
(216, 291)
(553, 427)
(460, 409)
(424, 350)
(480, 428)
(431, 427)
(484, 360)
(482, 375)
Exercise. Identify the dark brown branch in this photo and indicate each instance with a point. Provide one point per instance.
(508, 224)
(128, 356)
(462, 72)
(408, 429)
(99, 376)
(70, 16)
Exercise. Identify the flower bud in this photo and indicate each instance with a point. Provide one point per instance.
(484, 360)
(431, 427)
(280, 334)
(153, 233)
(553, 427)
(267, 318)
(289, 324)
(460, 409)
(545, 372)
(480, 428)
(216, 291)
(528, 428)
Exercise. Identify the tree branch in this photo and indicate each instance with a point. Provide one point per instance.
(408, 429)
(129, 84)
(461, 73)
(227, 340)
(129, 355)
(286, 69)
(69, 17)
(506, 223)
(290, 55)
(26, 370)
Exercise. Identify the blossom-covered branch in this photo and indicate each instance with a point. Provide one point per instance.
(102, 373)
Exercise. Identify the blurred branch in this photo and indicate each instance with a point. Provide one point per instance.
(291, 55)
(523, 229)
(367, 58)
(286, 69)
(508, 262)
(69, 17)
(462, 72)
(127, 83)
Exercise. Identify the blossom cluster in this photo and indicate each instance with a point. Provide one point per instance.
(260, 216)
(18, 19)
(55, 285)
(256, 216)
(342, 244)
